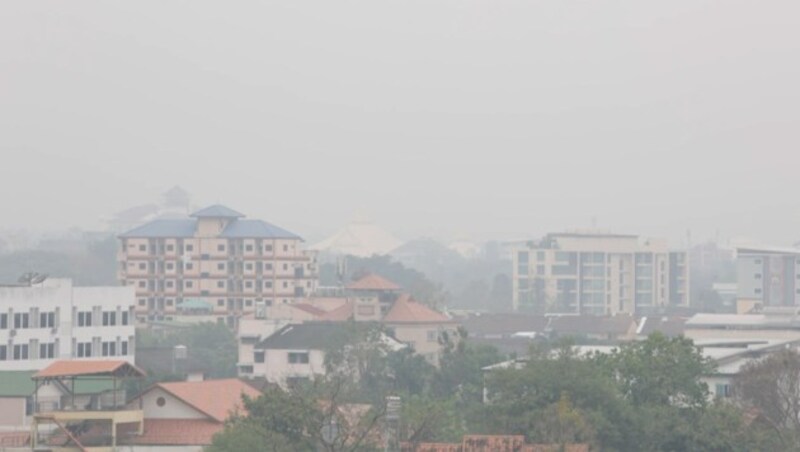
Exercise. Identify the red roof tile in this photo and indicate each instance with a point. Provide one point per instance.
(75, 368)
(406, 310)
(173, 432)
(373, 282)
(216, 398)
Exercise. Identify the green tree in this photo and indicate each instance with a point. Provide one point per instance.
(661, 371)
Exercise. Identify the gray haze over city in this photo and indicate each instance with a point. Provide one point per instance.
(486, 119)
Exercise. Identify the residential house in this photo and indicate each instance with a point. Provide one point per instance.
(421, 327)
(185, 416)
(296, 353)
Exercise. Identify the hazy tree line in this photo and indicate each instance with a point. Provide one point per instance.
(645, 396)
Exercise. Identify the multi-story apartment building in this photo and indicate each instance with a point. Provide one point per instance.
(601, 274)
(215, 260)
(768, 277)
(54, 320)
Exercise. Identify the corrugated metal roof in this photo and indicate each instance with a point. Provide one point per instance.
(256, 229)
(71, 368)
(217, 211)
(164, 228)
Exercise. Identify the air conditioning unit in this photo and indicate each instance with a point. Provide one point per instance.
(54, 330)
(12, 333)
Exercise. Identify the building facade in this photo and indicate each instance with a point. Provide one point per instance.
(599, 274)
(214, 259)
(768, 277)
(54, 320)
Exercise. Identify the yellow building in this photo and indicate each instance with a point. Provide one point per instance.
(213, 265)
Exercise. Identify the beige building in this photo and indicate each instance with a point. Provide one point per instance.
(214, 264)
(600, 274)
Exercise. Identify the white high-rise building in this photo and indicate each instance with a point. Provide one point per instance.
(55, 320)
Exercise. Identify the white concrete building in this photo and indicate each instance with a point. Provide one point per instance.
(55, 320)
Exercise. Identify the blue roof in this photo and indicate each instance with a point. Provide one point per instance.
(217, 211)
(164, 228)
(256, 229)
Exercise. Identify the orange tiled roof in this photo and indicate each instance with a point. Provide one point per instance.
(340, 314)
(373, 282)
(216, 398)
(175, 432)
(406, 310)
(75, 368)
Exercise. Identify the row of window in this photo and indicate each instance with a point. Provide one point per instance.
(23, 320)
(189, 248)
(108, 318)
(20, 352)
(109, 348)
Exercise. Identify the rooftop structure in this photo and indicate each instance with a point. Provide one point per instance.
(213, 265)
(87, 424)
(767, 277)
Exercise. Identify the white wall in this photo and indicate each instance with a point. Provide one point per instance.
(58, 295)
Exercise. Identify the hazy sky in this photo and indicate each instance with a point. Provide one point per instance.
(485, 118)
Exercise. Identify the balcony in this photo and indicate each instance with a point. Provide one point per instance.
(92, 409)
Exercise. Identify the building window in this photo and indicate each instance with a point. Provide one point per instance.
(188, 248)
(286, 266)
(21, 320)
(124, 348)
(285, 247)
(161, 401)
(125, 316)
(258, 357)
(758, 291)
(109, 349)
(3, 353)
(433, 336)
(85, 318)
(20, 352)
(142, 247)
(188, 266)
(248, 266)
(285, 284)
(221, 284)
(757, 275)
(248, 247)
(109, 318)
(220, 302)
(142, 266)
(268, 248)
(3, 321)
(221, 266)
(142, 284)
(47, 351)
(268, 267)
(84, 350)
(248, 303)
(47, 320)
(298, 358)
(221, 248)
(170, 284)
(268, 284)
(170, 266)
(248, 284)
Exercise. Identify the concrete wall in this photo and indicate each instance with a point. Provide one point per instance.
(12, 412)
